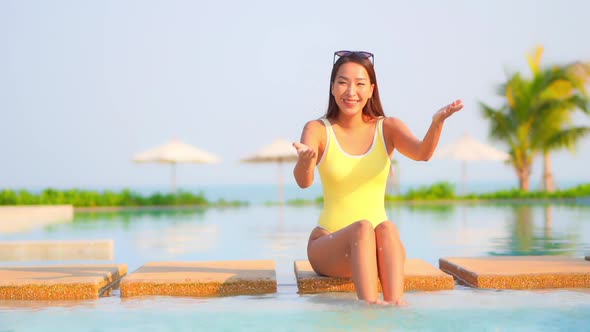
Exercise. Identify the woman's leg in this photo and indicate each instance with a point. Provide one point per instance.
(345, 253)
(391, 257)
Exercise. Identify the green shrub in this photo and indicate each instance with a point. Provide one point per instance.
(87, 198)
(440, 190)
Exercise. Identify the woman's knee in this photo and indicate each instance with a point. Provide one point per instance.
(363, 231)
(387, 229)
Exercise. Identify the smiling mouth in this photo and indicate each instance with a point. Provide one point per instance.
(350, 101)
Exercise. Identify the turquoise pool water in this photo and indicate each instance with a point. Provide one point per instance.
(261, 232)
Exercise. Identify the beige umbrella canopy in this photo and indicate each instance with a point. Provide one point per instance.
(175, 152)
(467, 149)
(280, 151)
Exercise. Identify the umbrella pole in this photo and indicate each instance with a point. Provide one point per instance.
(281, 194)
(463, 176)
(174, 178)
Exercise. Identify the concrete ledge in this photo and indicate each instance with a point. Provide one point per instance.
(56, 250)
(419, 275)
(23, 218)
(64, 282)
(519, 272)
(202, 279)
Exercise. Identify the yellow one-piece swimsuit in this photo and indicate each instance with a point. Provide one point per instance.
(354, 186)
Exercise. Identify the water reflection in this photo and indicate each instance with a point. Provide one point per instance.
(281, 232)
(525, 238)
(438, 210)
(178, 239)
(126, 219)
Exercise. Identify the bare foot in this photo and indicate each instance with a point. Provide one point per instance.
(398, 303)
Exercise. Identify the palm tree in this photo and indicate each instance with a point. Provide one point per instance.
(535, 114)
(512, 123)
(558, 103)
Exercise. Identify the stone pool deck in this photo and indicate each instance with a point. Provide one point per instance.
(254, 277)
(59, 282)
(519, 272)
(419, 275)
(202, 279)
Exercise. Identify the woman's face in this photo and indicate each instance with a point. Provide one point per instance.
(352, 88)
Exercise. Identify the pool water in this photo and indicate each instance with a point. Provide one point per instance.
(280, 233)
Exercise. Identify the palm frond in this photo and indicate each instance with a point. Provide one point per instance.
(499, 122)
(566, 138)
(534, 59)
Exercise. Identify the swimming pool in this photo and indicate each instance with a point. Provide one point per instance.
(280, 233)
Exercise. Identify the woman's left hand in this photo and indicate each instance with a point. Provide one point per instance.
(447, 111)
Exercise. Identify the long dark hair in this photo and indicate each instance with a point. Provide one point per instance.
(373, 108)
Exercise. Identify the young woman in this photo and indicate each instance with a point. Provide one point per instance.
(352, 146)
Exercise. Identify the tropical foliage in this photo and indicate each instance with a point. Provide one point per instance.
(580, 191)
(440, 190)
(536, 117)
(446, 191)
(88, 198)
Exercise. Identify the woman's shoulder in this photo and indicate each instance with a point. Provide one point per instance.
(391, 122)
(316, 124)
(393, 125)
(315, 130)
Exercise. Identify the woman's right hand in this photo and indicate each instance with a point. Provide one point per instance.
(304, 152)
(447, 111)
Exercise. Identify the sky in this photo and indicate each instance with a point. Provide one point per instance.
(85, 85)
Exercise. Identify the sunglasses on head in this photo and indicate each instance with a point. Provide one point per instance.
(362, 54)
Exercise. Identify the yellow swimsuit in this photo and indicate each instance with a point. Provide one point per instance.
(354, 186)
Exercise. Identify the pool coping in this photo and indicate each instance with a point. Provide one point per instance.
(201, 279)
(518, 272)
(59, 282)
(419, 275)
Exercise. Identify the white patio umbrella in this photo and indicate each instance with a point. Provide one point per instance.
(467, 149)
(175, 152)
(279, 152)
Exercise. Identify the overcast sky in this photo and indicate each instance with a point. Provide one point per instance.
(84, 85)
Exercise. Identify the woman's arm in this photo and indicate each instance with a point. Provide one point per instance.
(307, 150)
(410, 146)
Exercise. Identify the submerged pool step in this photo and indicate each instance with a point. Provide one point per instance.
(59, 282)
(203, 279)
(17, 219)
(519, 272)
(419, 275)
(59, 250)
